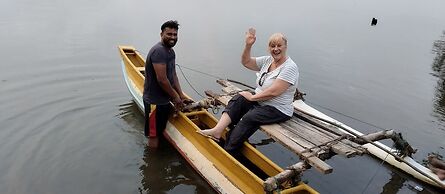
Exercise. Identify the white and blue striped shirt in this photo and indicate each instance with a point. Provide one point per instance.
(288, 72)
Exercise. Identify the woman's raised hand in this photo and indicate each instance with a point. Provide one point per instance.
(250, 36)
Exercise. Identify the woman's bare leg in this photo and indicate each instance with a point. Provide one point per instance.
(217, 131)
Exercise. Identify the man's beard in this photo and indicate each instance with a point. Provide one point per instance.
(170, 44)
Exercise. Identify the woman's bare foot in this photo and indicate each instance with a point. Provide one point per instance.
(211, 132)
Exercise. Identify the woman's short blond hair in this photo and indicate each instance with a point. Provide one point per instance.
(277, 37)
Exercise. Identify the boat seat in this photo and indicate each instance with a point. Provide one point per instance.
(140, 69)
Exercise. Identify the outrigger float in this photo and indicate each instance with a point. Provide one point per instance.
(312, 135)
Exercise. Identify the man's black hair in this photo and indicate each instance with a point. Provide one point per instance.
(170, 24)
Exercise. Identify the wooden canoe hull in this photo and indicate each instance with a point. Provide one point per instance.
(223, 172)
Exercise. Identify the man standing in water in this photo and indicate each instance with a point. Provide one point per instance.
(161, 82)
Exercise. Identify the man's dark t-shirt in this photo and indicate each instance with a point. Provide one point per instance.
(158, 54)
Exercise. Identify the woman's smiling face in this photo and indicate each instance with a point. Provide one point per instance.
(277, 46)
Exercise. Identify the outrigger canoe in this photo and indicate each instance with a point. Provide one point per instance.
(222, 171)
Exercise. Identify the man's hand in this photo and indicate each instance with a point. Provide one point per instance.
(186, 101)
(177, 102)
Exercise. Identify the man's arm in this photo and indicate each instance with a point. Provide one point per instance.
(161, 77)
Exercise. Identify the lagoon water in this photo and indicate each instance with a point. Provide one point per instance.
(69, 125)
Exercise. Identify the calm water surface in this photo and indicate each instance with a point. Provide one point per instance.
(69, 125)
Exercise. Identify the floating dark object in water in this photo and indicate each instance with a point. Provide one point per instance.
(374, 21)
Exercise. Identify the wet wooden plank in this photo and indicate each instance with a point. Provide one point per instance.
(344, 147)
(303, 139)
(318, 136)
(274, 131)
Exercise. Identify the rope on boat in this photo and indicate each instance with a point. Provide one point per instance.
(185, 77)
(355, 119)
(402, 145)
(375, 173)
(197, 71)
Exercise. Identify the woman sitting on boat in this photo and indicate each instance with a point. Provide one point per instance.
(277, 79)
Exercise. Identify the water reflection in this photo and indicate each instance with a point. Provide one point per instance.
(162, 169)
(262, 142)
(129, 113)
(439, 72)
(439, 50)
(394, 184)
(400, 182)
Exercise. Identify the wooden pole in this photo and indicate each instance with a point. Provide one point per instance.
(204, 103)
(364, 139)
(272, 183)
